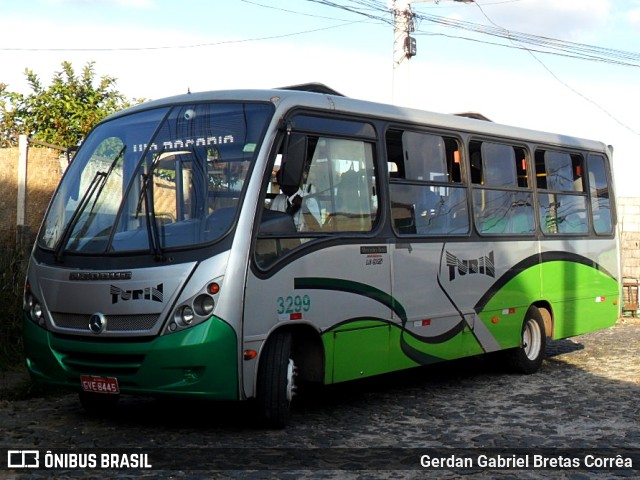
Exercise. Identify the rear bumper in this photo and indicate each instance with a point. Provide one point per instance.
(200, 362)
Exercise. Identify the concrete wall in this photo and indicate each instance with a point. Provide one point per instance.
(629, 227)
(43, 174)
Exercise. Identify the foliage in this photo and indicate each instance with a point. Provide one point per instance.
(12, 263)
(62, 113)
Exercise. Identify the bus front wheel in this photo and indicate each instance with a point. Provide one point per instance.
(276, 381)
(527, 358)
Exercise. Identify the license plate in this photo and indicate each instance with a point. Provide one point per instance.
(100, 384)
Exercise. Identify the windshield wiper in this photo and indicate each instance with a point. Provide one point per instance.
(97, 184)
(149, 209)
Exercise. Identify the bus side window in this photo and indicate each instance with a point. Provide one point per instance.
(348, 198)
(562, 198)
(600, 195)
(336, 195)
(502, 201)
(425, 177)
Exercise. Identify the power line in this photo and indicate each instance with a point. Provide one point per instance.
(280, 9)
(576, 50)
(562, 82)
(517, 47)
(177, 47)
(519, 40)
(375, 9)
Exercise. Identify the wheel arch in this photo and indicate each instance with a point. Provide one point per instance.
(546, 311)
(527, 358)
(307, 351)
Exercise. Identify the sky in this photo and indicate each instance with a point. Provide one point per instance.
(158, 48)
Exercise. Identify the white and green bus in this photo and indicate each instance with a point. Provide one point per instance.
(234, 245)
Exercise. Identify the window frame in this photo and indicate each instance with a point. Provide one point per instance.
(514, 190)
(460, 185)
(318, 124)
(584, 193)
(611, 194)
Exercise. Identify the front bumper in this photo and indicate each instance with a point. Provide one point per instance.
(199, 362)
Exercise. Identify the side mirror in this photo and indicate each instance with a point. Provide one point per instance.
(293, 159)
(70, 152)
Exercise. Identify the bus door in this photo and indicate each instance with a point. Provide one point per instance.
(316, 263)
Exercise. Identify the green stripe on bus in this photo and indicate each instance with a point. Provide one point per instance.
(363, 346)
(358, 288)
(582, 297)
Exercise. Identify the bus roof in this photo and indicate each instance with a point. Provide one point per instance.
(318, 96)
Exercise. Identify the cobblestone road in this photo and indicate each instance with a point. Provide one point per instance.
(587, 395)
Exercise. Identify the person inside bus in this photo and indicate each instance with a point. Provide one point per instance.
(305, 211)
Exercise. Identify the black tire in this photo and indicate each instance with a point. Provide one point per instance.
(98, 403)
(527, 358)
(276, 381)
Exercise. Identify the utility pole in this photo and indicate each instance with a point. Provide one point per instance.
(404, 46)
(403, 25)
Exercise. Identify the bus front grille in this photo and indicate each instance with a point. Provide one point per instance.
(115, 323)
(101, 363)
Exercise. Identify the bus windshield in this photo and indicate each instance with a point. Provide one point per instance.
(159, 179)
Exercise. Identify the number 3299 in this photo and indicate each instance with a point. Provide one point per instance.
(294, 304)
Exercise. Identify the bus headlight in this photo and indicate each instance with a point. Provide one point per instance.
(28, 302)
(31, 306)
(36, 313)
(203, 305)
(196, 309)
(27, 297)
(186, 315)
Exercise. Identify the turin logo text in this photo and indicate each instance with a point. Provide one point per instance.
(148, 293)
(484, 265)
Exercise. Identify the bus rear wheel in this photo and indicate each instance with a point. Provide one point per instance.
(276, 381)
(527, 358)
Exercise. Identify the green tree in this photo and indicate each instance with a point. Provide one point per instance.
(62, 113)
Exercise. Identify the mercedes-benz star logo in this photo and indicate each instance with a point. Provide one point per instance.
(97, 323)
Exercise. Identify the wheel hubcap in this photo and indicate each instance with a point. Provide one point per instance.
(291, 381)
(531, 339)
